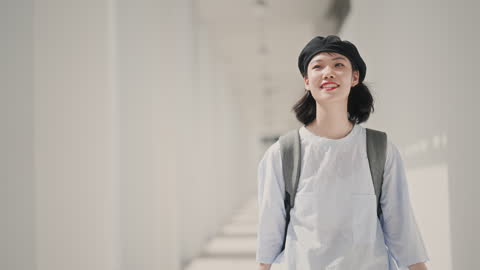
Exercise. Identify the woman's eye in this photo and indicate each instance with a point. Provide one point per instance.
(317, 66)
(338, 64)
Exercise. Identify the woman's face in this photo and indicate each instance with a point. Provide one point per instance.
(330, 77)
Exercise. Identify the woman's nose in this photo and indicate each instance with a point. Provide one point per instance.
(328, 73)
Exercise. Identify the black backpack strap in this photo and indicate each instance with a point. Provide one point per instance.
(291, 161)
(377, 154)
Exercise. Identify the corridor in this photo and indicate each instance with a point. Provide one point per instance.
(132, 130)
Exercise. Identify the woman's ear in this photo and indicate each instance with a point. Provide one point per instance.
(307, 82)
(355, 78)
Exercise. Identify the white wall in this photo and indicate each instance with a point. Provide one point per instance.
(421, 58)
(74, 136)
(177, 105)
(17, 201)
(124, 137)
(215, 179)
(153, 55)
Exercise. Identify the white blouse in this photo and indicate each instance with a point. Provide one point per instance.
(334, 223)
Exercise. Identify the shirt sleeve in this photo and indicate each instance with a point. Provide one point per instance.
(401, 233)
(271, 193)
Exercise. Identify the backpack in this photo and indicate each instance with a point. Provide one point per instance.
(291, 162)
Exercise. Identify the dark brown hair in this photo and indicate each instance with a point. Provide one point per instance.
(360, 105)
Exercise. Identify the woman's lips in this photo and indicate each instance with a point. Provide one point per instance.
(329, 86)
(330, 89)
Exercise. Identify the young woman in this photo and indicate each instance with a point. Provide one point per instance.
(334, 224)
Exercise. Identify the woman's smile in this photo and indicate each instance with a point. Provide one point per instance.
(330, 89)
(329, 86)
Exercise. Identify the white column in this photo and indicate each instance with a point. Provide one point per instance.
(17, 187)
(461, 85)
(74, 136)
(422, 62)
(155, 65)
(199, 173)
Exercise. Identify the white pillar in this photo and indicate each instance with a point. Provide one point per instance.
(422, 62)
(200, 172)
(461, 84)
(74, 136)
(155, 65)
(17, 187)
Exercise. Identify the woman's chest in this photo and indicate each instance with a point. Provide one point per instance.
(335, 171)
(335, 200)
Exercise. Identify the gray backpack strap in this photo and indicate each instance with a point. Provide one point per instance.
(291, 162)
(377, 154)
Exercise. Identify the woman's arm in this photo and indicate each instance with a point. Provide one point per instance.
(271, 192)
(417, 266)
(400, 229)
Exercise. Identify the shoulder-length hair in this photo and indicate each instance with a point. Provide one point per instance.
(360, 105)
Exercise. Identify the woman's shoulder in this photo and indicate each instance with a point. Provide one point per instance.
(273, 151)
(271, 158)
(393, 154)
(392, 149)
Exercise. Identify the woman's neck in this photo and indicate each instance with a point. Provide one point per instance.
(331, 122)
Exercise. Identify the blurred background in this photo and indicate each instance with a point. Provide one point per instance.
(131, 130)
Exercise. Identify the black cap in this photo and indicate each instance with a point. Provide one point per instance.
(331, 43)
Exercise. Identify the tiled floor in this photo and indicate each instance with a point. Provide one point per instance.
(235, 247)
